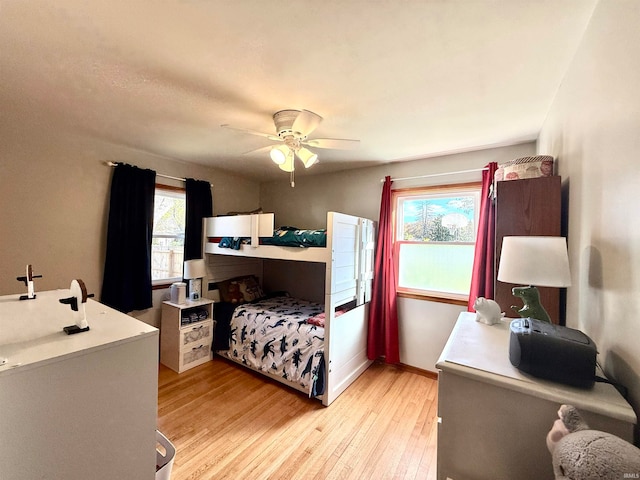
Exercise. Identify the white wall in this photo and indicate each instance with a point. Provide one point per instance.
(593, 129)
(423, 326)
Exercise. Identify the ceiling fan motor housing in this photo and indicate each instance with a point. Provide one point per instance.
(284, 124)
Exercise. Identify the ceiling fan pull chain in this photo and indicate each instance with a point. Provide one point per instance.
(293, 179)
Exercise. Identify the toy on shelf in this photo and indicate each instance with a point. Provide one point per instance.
(579, 452)
(77, 301)
(28, 282)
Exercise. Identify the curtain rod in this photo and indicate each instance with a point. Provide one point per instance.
(436, 174)
(115, 164)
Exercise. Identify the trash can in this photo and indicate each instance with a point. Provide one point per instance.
(165, 453)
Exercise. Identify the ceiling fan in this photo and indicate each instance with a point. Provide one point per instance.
(292, 131)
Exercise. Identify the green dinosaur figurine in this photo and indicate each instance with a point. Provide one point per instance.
(532, 307)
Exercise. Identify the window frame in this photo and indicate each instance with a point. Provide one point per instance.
(166, 282)
(452, 189)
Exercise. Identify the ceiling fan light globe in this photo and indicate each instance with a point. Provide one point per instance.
(288, 165)
(307, 156)
(279, 154)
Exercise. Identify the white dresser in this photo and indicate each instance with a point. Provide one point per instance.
(494, 419)
(76, 407)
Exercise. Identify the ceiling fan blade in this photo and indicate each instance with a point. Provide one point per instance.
(260, 150)
(306, 122)
(270, 136)
(337, 143)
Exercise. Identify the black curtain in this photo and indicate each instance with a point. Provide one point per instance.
(126, 285)
(199, 206)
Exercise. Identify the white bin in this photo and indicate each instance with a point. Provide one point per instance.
(165, 453)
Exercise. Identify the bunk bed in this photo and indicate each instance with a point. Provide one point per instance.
(335, 329)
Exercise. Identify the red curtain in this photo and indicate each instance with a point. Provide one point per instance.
(482, 276)
(382, 338)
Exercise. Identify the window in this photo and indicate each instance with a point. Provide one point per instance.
(435, 234)
(167, 246)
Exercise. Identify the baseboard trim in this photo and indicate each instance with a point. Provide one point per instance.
(419, 371)
(411, 369)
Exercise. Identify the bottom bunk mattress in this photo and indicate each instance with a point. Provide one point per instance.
(273, 335)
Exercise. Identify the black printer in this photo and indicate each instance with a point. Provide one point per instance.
(552, 352)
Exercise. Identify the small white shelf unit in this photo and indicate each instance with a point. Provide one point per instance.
(186, 334)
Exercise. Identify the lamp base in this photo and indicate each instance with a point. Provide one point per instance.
(195, 288)
(532, 307)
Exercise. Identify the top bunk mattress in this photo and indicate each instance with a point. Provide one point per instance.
(296, 237)
(283, 237)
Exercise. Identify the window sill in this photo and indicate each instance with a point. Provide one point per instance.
(435, 298)
(162, 284)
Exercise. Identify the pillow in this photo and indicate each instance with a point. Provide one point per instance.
(250, 288)
(240, 290)
(318, 320)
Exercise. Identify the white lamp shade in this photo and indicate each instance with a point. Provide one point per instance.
(279, 154)
(288, 165)
(195, 269)
(307, 156)
(538, 261)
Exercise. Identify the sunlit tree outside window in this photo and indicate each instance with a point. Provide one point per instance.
(435, 240)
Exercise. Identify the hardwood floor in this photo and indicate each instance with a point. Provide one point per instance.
(228, 422)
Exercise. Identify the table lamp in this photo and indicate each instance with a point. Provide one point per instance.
(534, 261)
(195, 271)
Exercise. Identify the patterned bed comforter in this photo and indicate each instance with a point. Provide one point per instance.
(273, 335)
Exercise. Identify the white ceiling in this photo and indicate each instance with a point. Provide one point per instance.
(410, 79)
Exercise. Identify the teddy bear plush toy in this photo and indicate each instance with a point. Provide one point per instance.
(579, 453)
(234, 295)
